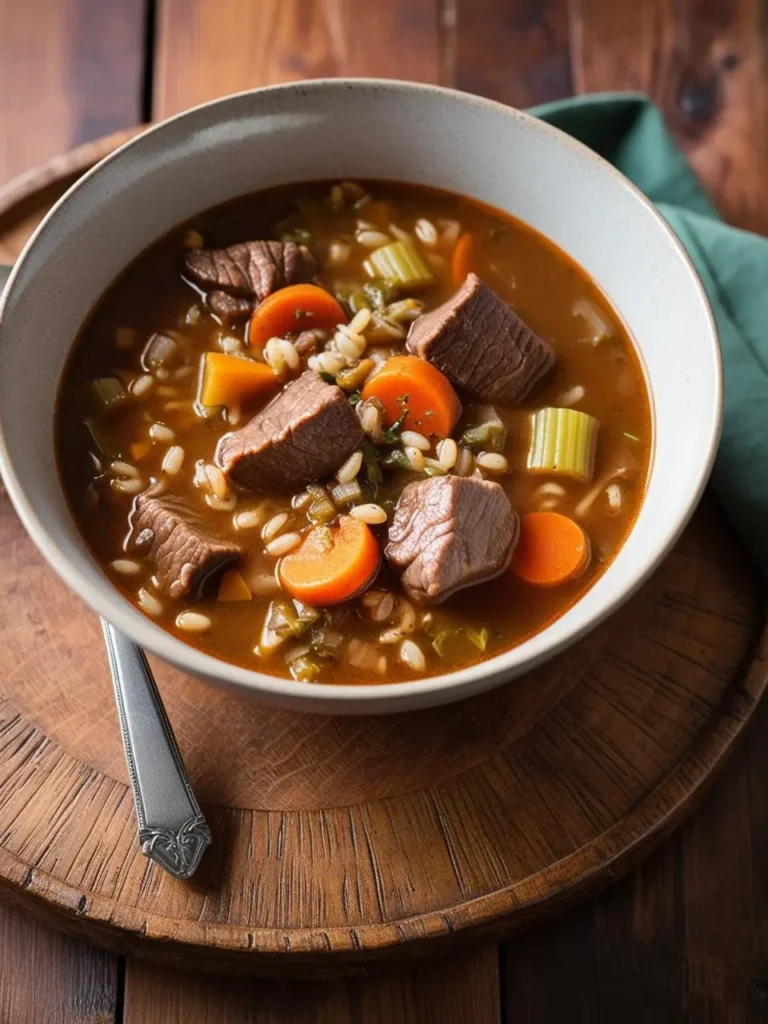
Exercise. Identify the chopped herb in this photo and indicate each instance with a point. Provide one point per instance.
(429, 412)
(396, 459)
(327, 377)
(392, 434)
(373, 471)
(403, 399)
(632, 437)
(354, 398)
(299, 313)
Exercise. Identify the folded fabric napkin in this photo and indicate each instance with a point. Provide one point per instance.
(629, 131)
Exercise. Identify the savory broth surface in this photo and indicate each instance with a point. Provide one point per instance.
(117, 440)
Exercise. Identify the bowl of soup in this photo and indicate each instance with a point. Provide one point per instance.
(356, 396)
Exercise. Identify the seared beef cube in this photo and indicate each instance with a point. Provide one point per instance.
(451, 532)
(184, 550)
(241, 275)
(304, 434)
(481, 344)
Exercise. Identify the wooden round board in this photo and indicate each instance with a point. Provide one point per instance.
(340, 842)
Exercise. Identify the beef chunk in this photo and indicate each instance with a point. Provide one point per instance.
(304, 434)
(240, 276)
(184, 550)
(451, 532)
(481, 344)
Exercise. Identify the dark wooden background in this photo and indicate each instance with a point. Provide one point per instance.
(683, 939)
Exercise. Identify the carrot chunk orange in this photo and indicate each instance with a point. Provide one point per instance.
(299, 307)
(407, 384)
(552, 549)
(231, 380)
(332, 563)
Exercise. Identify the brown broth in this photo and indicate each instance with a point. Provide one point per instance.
(524, 268)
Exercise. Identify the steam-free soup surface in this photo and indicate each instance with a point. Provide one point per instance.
(149, 429)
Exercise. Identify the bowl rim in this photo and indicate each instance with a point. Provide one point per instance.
(366, 697)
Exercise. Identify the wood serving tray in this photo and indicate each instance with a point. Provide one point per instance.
(342, 841)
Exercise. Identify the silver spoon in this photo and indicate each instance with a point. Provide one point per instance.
(172, 829)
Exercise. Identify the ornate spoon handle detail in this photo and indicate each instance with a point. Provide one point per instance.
(172, 829)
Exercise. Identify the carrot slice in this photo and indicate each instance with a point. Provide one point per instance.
(552, 549)
(412, 385)
(332, 563)
(233, 587)
(461, 262)
(231, 380)
(298, 307)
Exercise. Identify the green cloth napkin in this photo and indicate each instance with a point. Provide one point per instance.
(629, 131)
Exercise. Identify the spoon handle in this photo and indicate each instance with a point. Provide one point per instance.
(172, 829)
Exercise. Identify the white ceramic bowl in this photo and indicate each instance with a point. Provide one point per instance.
(357, 129)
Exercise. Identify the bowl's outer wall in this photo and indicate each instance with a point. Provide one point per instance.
(329, 130)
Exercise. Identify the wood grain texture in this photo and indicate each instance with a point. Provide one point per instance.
(46, 976)
(514, 51)
(493, 814)
(70, 71)
(704, 63)
(206, 50)
(463, 990)
(680, 940)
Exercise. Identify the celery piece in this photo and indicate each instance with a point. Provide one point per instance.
(450, 643)
(478, 637)
(379, 293)
(306, 616)
(350, 493)
(354, 377)
(327, 643)
(304, 669)
(401, 263)
(106, 394)
(321, 510)
(279, 625)
(440, 642)
(563, 441)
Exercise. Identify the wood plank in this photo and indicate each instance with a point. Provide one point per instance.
(703, 62)
(46, 976)
(205, 50)
(70, 70)
(513, 51)
(464, 990)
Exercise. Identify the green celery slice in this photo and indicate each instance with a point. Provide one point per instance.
(106, 394)
(401, 263)
(563, 441)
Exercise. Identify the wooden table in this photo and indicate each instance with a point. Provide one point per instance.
(682, 939)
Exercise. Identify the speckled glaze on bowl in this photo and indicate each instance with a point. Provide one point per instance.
(359, 128)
